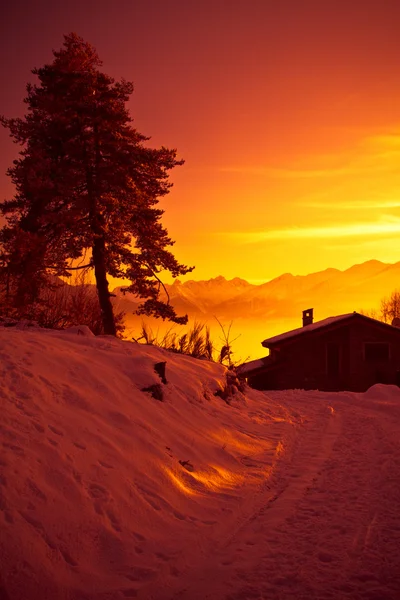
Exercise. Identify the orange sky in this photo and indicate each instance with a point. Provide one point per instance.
(287, 114)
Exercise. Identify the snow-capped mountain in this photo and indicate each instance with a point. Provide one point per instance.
(329, 292)
(195, 297)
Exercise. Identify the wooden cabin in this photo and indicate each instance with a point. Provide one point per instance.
(347, 352)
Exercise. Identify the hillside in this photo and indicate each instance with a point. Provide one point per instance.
(108, 493)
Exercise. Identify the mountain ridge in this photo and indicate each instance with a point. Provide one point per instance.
(330, 291)
(241, 280)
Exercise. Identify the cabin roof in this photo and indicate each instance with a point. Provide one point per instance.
(321, 325)
(253, 365)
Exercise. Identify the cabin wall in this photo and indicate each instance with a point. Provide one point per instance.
(366, 371)
(303, 362)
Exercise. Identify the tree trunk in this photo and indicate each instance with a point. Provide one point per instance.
(99, 244)
(100, 273)
(29, 283)
(28, 270)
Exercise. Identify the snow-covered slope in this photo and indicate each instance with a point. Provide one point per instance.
(108, 493)
(105, 488)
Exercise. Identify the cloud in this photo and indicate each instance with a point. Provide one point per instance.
(290, 173)
(372, 153)
(387, 226)
(386, 141)
(352, 204)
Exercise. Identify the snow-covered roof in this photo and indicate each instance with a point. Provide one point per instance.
(306, 329)
(252, 365)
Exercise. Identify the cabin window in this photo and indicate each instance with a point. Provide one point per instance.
(374, 351)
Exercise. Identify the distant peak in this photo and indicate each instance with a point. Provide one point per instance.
(282, 277)
(368, 264)
(372, 261)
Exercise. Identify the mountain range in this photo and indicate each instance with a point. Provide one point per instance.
(329, 292)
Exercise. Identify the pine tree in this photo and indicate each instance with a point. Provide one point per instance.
(86, 184)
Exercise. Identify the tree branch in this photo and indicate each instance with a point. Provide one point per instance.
(159, 281)
(73, 268)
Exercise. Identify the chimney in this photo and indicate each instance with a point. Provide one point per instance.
(308, 317)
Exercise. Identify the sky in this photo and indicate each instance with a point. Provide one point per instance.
(287, 114)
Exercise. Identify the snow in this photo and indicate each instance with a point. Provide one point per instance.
(305, 329)
(252, 365)
(109, 493)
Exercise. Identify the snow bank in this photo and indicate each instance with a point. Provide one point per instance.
(383, 392)
(107, 492)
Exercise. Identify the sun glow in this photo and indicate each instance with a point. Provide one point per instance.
(387, 226)
(300, 209)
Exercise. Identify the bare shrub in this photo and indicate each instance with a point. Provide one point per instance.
(196, 342)
(62, 305)
(389, 308)
(226, 353)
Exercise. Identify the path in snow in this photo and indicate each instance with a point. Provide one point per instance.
(329, 527)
